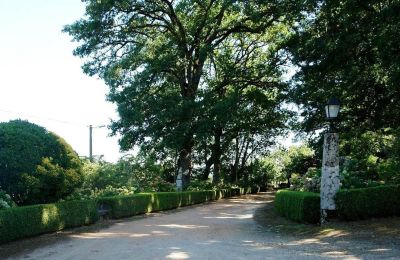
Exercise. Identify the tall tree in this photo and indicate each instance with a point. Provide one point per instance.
(245, 80)
(350, 50)
(152, 55)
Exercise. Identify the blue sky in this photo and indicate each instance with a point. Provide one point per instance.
(41, 81)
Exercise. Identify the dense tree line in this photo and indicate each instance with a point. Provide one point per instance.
(201, 83)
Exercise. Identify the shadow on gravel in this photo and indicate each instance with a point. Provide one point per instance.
(26, 245)
(375, 237)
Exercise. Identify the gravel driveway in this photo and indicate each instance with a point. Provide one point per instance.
(225, 229)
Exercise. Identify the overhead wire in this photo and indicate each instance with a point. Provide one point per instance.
(23, 115)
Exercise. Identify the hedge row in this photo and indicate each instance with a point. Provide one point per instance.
(298, 206)
(125, 206)
(33, 220)
(365, 203)
(37, 219)
(352, 204)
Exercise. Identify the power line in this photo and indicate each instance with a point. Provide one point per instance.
(48, 119)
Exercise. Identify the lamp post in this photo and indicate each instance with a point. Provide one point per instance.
(330, 182)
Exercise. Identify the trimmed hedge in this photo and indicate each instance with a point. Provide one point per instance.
(365, 203)
(298, 206)
(37, 219)
(126, 206)
(33, 220)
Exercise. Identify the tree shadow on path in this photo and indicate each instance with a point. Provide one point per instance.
(373, 238)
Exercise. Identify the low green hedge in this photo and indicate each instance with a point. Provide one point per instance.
(298, 206)
(33, 220)
(365, 203)
(125, 206)
(28, 221)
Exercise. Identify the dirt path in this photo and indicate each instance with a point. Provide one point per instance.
(238, 228)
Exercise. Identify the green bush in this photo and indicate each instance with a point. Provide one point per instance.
(142, 173)
(125, 206)
(298, 206)
(109, 191)
(28, 221)
(365, 203)
(5, 201)
(36, 166)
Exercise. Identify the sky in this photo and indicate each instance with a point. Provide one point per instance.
(42, 82)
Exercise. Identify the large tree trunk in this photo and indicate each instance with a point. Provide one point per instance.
(207, 169)
(217, 156)
(234, 167)
(189, 85)
(184, 168)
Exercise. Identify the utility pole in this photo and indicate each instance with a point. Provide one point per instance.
(91, 140)
(90, 143)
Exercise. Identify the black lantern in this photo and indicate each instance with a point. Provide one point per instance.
(332, 108)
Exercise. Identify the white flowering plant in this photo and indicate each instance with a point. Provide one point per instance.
(6, 201)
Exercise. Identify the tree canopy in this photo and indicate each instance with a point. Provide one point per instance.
(348, 50)
(201, 83)
(175, 68)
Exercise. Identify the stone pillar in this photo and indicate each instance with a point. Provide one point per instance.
(330, 182)
(179, 181)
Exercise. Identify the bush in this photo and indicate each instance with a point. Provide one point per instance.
(298, 206)
(5, 201)
(88, 194)
(36, 166)
(311, 181)
(33, 220)
(125, 206)
(365, 203)
(198, 185)
(138, 173)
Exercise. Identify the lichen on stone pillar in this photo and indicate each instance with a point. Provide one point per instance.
(330, 182)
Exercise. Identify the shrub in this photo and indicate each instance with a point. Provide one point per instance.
(28, 221)
(298, 206)
(142, 174)
(37, 219)
(87, 194)
(5, 201)
(36, 166)
(365, 203)
(125, 206)
(196, 185)
(311, 181)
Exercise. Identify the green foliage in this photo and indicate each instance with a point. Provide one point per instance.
(32, 220)
(298, 206)
(198, 185)
(364, 203)
(28, 221)
(87, 193)
(6, 201)
(296, 160)
(258, 173)
(174, 75)
(354, 174)
(139, 174)
(36, 166)
(349, 50)
(311, 181)
(125, 206)
(371, 158)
